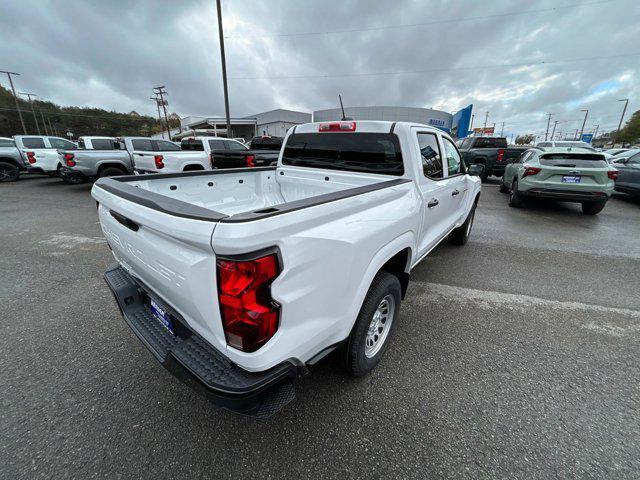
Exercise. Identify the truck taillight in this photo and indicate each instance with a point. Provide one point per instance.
(612, 174)
(500, 154)
(337, 127)
(68, 159)
(31, 157)
(531, 171)
(250, 316)
(158, 160)
(250, 159)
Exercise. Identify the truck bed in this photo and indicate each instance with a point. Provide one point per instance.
(238, 195)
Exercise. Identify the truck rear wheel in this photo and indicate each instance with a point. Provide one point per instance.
(111, 172)
(8, 172)
(374, 326)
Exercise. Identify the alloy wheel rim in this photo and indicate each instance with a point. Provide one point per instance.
(379, 327)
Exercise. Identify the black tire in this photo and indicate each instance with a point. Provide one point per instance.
(111, 172)
(72, 179)
(8, 172)
(503, 187)
(356, 361)
(592, 208)
(460, 235)
(515, 197)
(52, 174)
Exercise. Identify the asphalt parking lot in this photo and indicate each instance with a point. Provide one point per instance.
(517, 356)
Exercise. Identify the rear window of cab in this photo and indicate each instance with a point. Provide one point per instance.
(572, 160)
(358, 152)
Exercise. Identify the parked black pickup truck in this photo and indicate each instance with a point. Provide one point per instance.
(266, 149)
(492, 152)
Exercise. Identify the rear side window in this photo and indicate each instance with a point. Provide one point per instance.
(6, 143)
(103, 144)
(217, 145)
(570, 160)
(143, 144)
(358, 152)
(194, 145)
(454, 161)
(431, 157)
(61, 143)
(236, 146)
(164, 146)
(33, 142)
(489, 142)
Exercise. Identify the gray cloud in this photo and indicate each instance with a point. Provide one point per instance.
(111, 54)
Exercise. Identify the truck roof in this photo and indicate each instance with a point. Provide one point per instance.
(366, 126)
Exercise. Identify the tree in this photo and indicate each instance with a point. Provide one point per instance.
(630, 133)
(525, 139)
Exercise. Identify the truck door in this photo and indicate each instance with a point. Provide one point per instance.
(456, 180)
(435, 190)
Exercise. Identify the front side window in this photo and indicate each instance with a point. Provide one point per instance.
(33, 142)
(431, 158)
(635, 160)
(454, 161)
(61, 143)
(525, 156)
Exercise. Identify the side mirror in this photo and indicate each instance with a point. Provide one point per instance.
(476, 169)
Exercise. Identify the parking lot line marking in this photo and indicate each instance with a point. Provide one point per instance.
(489, 299)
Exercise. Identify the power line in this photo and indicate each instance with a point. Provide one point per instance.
(431, 70)
(53, 112)
(422, 24)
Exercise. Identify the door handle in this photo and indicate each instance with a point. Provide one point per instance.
(433, 203)
(454, 193)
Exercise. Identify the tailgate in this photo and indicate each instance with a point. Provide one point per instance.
(171, 255)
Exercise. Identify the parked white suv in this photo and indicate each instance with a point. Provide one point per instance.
(240, 279)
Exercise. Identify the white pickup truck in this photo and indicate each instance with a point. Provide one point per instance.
(41, 153)
(238, 280)
(197, 153)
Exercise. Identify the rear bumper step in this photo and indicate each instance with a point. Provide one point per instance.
(190, 358)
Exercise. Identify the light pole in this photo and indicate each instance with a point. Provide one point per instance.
(596, 131)
(224, 69)
(35, 119)
(485, 123)
(502, 130)
(546, 135)
(584, 122)
(15, 97)
(624, 110)
(471, 126)
(555, 124)
(575, 135)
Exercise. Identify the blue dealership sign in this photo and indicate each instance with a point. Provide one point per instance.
(587, 137)
(461, 122)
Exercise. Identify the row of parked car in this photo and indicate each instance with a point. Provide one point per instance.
(95, 157)
(570, 171)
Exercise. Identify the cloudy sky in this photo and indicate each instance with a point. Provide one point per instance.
(517, 60)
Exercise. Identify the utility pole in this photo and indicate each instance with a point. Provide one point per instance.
(485, 123)
(584, 122)
(511, 141)
(224, 69)
(162, 92)
(494, 129)
(44, 123)
(156, 100)
(575, 135)
(35, 119)
(555, 123)
(624, 110)
(546, 135)
(502, 130)
(15, 97)
(596, 131)
(51, 129)
(471, 126)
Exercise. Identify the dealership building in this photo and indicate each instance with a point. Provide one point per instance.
(277, 122)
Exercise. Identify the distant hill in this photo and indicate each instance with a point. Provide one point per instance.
(79, 120)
